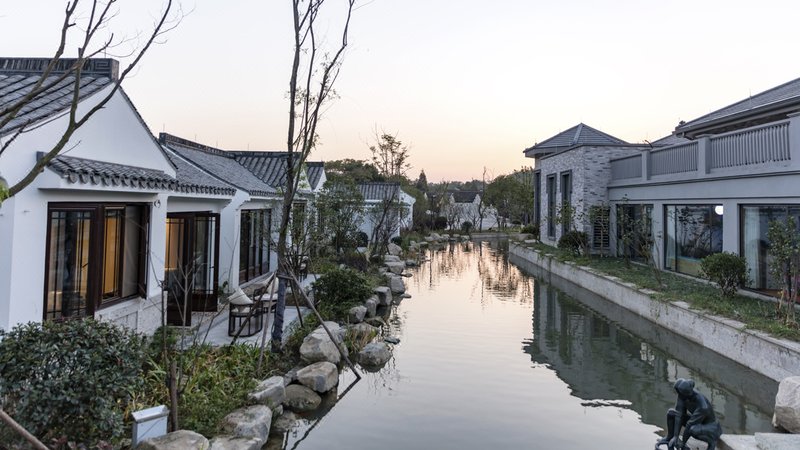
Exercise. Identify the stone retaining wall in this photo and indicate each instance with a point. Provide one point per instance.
(774, 358)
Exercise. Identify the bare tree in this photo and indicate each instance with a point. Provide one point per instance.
(390, 156)
(57, 71)
(313, 74)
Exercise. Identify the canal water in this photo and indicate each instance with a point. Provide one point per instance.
(496, 355)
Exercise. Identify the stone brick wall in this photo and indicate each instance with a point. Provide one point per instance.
(591, 172)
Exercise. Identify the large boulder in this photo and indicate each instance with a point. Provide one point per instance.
(320, 376)
(391, 258)
(252, 421)
(372, 306)
(787, 405)
(235, 443)
(374, 354)
(318, 346)
(397, 285)
(394, 249)
(396, 267)
(300, 398)
(384, 295)
(362, 330)
(177, 440)
(284, 422)
(356, 314)
(269, 392)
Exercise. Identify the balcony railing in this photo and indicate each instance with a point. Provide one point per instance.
(761, 148)
(676, 159)
(628, 167)
(760, 145)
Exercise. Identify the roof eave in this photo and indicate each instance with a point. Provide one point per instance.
(783, 106)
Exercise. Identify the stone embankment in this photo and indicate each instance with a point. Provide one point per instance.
(778, 359)
(278, 402)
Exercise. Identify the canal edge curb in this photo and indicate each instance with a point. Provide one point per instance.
(767, 355)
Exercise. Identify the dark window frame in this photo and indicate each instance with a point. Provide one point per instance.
(252, 263)
(565, 188)
(95, 297)
(551, 205)
(537, 197)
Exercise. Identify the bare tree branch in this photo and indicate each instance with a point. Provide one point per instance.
(98, 20)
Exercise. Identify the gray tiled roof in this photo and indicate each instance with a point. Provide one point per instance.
(775, 97)
(218, 163)
(314, 170)
(578, 135)
(18, 76)
(194, 180)
(379, 191)
(464, 196)
(87, 171)
(270, 167)
(670, 139)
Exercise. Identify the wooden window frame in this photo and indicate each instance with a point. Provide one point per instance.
(95, 300)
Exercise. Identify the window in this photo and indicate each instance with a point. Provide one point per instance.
(634, 231)
(693, 232)
(755, 241)
(191, 261)
(96, 255)
(600, 227)
(566, 201)
(537, 197)
(551, 206)
(254, 243)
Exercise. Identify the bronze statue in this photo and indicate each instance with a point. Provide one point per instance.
(694, 412)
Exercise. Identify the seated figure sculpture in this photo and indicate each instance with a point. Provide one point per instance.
(694, 413)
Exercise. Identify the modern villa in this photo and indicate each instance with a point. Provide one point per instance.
(713, 185)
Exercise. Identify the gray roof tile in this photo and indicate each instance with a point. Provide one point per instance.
(379, 191)
(18, 76)
(787, 92)
(192, 179)
(88, 171)
(578, 135)
(218, 163)
(314, 170)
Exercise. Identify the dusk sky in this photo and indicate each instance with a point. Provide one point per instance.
(466, 84)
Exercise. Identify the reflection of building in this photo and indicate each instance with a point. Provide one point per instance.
(600, 360)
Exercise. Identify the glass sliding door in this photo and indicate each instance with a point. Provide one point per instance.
(191, 265)
(693, 232)
(755, 242)
(68, 259)
(255, 235)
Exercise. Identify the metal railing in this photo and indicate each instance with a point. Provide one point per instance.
(679, 158)
(628, 167)
(758, 145)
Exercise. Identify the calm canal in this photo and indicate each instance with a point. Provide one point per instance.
(495, 355)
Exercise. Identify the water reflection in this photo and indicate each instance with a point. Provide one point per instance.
(604, 360)
(492, 357)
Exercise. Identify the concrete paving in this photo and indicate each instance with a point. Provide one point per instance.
(218, 328)
(761, 441)
(737, 442)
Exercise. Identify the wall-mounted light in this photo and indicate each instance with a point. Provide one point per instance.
(157, 204)
(718, 210)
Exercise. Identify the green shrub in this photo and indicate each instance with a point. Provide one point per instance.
(440, 223)
(574, 241)
(728, 270)
(353, 259)
(339, 290)
(69, 380)
(532, 229)
(213, 381)
(466, 226)
(397, 240)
